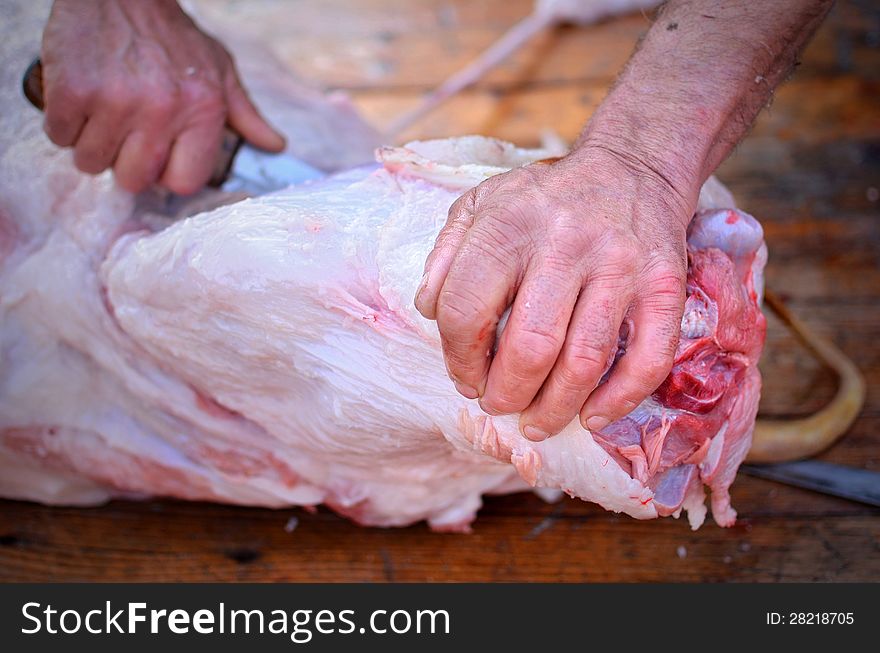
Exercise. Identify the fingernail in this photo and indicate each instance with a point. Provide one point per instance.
(422, 284)
(466, 390)
(535, 434)
(597, 423)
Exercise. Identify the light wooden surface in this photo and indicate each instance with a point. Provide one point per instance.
(810, 172)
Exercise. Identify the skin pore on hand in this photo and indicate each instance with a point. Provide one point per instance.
(596, 241)
(136, 86)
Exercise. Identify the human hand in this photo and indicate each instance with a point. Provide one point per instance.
(578, 248)
(136, 86)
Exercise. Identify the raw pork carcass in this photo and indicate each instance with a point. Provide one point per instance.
(268, 353)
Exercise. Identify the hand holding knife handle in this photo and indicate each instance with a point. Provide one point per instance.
(32, 85)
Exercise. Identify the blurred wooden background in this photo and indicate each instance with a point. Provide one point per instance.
(810, 171)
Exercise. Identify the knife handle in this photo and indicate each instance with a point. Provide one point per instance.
(32, 85)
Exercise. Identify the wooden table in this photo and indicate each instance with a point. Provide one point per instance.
(810, 171)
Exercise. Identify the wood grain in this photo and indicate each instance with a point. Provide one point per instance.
(810, 171)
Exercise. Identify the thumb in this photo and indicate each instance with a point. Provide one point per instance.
(244, 118)
(459, 221)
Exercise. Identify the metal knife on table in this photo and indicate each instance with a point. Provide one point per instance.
(862, 485)
(239, 165)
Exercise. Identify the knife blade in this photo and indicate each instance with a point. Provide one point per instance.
(239, 165)
(862, 485)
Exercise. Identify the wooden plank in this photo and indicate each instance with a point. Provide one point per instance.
(416, 61)
(173, 541)
(387, 45)
(521, 113)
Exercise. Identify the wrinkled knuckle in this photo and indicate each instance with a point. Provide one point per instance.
(490, 246)
(534, 351)
(461, 313)
(620, 256)
(504, 404)
(563, 257)
(582, 364)
(453, 232)
(668, 282)
(572, 378)
(497, 237)
(666, 279)
(614, 267)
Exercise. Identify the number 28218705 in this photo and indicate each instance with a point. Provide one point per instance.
(809, 618)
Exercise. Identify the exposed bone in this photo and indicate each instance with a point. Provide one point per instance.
(785, 440)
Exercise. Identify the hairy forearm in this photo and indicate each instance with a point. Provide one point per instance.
(695, 85)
